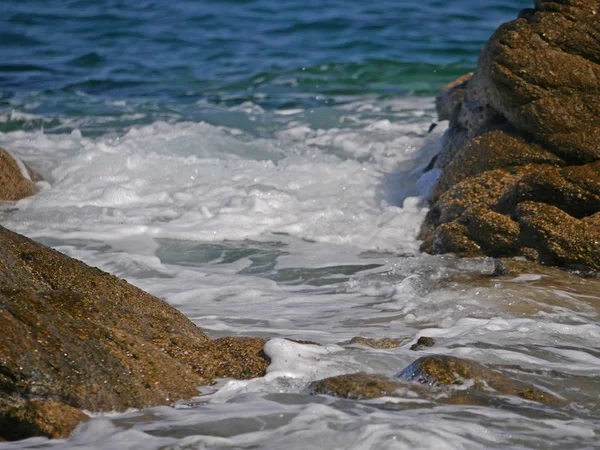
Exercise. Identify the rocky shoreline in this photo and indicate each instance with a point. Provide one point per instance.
(520, 176)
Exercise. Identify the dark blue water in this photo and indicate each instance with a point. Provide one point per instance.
(186, 59)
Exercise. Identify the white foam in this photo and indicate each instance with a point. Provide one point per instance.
(195, 182)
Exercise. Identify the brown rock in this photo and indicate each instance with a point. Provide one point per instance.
(76, 335)
(482, 191)
(512, 267)
(559, 238)
(451, 237)
(526, 131)
(593, 220)
(23, 419)
(574, 189)
(230, 357)
(13, 184)
(450, 96)
(356, 386)
(440, 370)
(434, 373)
(490, 151)
(383, 343)
(422, 343)
(540, 76)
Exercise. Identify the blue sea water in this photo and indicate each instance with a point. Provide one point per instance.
(259, 165)
(186, 60)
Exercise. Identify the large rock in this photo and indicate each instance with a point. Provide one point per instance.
(520, 164)
(16, 180)
(83, 338)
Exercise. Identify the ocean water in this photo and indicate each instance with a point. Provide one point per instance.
(259, 165)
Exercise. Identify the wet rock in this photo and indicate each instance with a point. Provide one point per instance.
(23, 419)
(542, 74)
(231, 357)
(357, 386)
(383, 343)
(451, 238)
(16, 180)
(440, 370)
(87, 339)
(492, 150)
(524, 129)
(435, 379)
(559, 239)
(574, 190)
(451, 96)
(513, 267)
(422, 343)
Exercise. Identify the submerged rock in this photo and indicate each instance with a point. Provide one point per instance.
(438, 370)
(357, 386)
(520, 164)
(381, 344)
(478, 384)
(87, 339)
(16, 180)
(422, 343)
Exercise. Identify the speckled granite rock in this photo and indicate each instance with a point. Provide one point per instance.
(381, 344)
(520, 163)
(22, 419)
(441, 370)
(83, 338)
(435, 372)
(450, 96)
(14, 185)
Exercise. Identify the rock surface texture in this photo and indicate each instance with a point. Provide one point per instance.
(16, 180)
(77, 337)
(520, 164)
(432, 375)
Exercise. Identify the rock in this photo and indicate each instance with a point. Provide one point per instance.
(492, 150)
(422, 343)
(356, 386)
(381, 344)
(232, 357)
(87, 339)
(559, 238)
(513, 267)
(541, 74)
(524, 129)
(438, 370)
(16, 180)
(38, 418)
(451, 96)
(428, 377)
(574, 190)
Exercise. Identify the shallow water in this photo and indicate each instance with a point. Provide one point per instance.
(259, 166)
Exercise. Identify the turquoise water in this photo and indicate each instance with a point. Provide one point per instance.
(187, 60)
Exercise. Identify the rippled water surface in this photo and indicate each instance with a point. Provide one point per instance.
(259, 165)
